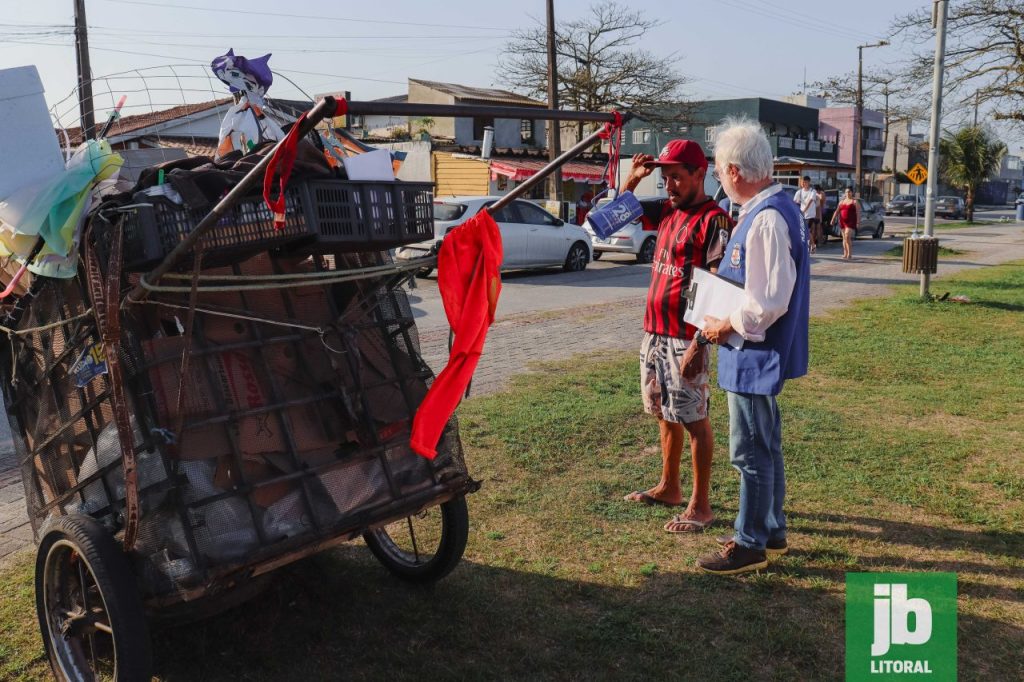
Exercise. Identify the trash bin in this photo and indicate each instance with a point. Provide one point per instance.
(1020, 212)
(921, 255)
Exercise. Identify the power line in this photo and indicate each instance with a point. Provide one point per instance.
(300, 16)
(120, 30)
(791, 20)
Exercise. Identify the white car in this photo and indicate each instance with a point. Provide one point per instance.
(531, 237)
(631, 239)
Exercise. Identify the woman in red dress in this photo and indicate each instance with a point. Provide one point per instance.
(848, 215)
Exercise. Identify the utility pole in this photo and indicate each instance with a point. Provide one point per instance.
(939, 9)
(554, 128)
(976, 93)
(858, 124)
(85, 102)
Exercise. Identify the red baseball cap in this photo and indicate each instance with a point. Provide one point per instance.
(681, 151)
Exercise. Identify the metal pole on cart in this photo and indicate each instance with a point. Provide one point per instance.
(328, 106)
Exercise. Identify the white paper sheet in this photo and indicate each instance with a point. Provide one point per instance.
(712, 295)
(375, 165)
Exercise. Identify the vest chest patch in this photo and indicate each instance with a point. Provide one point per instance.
(734, 258)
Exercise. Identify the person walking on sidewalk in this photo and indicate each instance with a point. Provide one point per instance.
(767, 254)
(807, 199)
(820, 238)
(692, 233)
(848, 215)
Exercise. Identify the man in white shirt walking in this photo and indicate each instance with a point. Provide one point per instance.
(807, 199)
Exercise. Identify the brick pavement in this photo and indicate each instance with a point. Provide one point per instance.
(516, 343)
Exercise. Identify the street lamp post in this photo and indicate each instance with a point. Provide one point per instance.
(858, 123)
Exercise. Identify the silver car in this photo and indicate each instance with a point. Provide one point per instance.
(531, 237)
(632, 239)
(871, 221)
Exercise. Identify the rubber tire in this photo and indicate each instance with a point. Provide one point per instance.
(454, 533)
(642, 257)
(597, 255)
(423, 273)
(879, 231)
(118, 588)
(574, 249)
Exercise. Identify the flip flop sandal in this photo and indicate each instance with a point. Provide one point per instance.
(688, 525)
(641, 496)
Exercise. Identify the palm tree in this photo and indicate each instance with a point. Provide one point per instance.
(969, 156)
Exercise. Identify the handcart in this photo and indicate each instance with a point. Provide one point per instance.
(185, 429)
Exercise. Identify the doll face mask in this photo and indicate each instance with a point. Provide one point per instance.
(251, 77)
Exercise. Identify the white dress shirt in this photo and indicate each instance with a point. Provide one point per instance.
(770, 270)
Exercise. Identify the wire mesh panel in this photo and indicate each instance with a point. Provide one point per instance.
(288, 425)
(295, 416)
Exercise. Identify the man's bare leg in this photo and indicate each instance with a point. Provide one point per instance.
(702, 445)
(668, 489)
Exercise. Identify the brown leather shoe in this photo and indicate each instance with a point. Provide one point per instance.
(733, 559)
(774, 548)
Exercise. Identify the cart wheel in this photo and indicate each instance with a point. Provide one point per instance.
(90, 612)
(425, 547)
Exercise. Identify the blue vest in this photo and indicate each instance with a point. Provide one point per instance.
(762, 368)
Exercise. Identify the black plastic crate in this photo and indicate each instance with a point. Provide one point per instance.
(349, 216)
(155, 226)
(321, 215)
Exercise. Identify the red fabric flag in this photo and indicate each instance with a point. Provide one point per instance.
(284, 156)
(469, 280)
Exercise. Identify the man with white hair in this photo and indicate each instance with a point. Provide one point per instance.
(767, 254)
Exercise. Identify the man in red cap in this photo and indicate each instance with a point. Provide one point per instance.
(692, 232)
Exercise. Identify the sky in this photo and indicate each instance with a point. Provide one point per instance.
(728, 48)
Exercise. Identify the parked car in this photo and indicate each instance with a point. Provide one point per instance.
(871, 218)
(950, 207)
(902, 204)
(631, 239)
(1020, 199)
(531, 237)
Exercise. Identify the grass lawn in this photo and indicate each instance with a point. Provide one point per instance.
(903, 450)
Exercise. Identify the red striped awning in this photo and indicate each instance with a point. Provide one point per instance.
(520, 169)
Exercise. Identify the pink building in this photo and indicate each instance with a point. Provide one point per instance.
(840, 120)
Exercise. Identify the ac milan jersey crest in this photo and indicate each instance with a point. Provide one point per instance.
(687, 238)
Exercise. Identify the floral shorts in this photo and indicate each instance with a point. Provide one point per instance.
(666, 393)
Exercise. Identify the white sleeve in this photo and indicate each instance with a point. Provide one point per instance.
(770, 276)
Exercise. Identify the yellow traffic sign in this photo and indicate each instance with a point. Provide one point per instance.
(918, 174)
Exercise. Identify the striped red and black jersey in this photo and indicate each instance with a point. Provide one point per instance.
(688, 238)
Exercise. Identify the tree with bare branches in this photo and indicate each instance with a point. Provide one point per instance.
(884, 90)
(599, 67)
(984, 54)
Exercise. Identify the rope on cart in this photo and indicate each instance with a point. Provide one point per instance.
(320, 331)
(43, 328)
(275, 281)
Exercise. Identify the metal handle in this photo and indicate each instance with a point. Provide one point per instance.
(544, 172)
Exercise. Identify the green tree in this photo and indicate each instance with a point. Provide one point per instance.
(969, 156)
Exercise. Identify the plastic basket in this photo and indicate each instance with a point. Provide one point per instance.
(321, 215)
(153, 228)
(351, 216)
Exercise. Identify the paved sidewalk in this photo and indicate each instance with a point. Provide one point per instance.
(516, 343)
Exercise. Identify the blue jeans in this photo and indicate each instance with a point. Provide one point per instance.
(755, 450)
